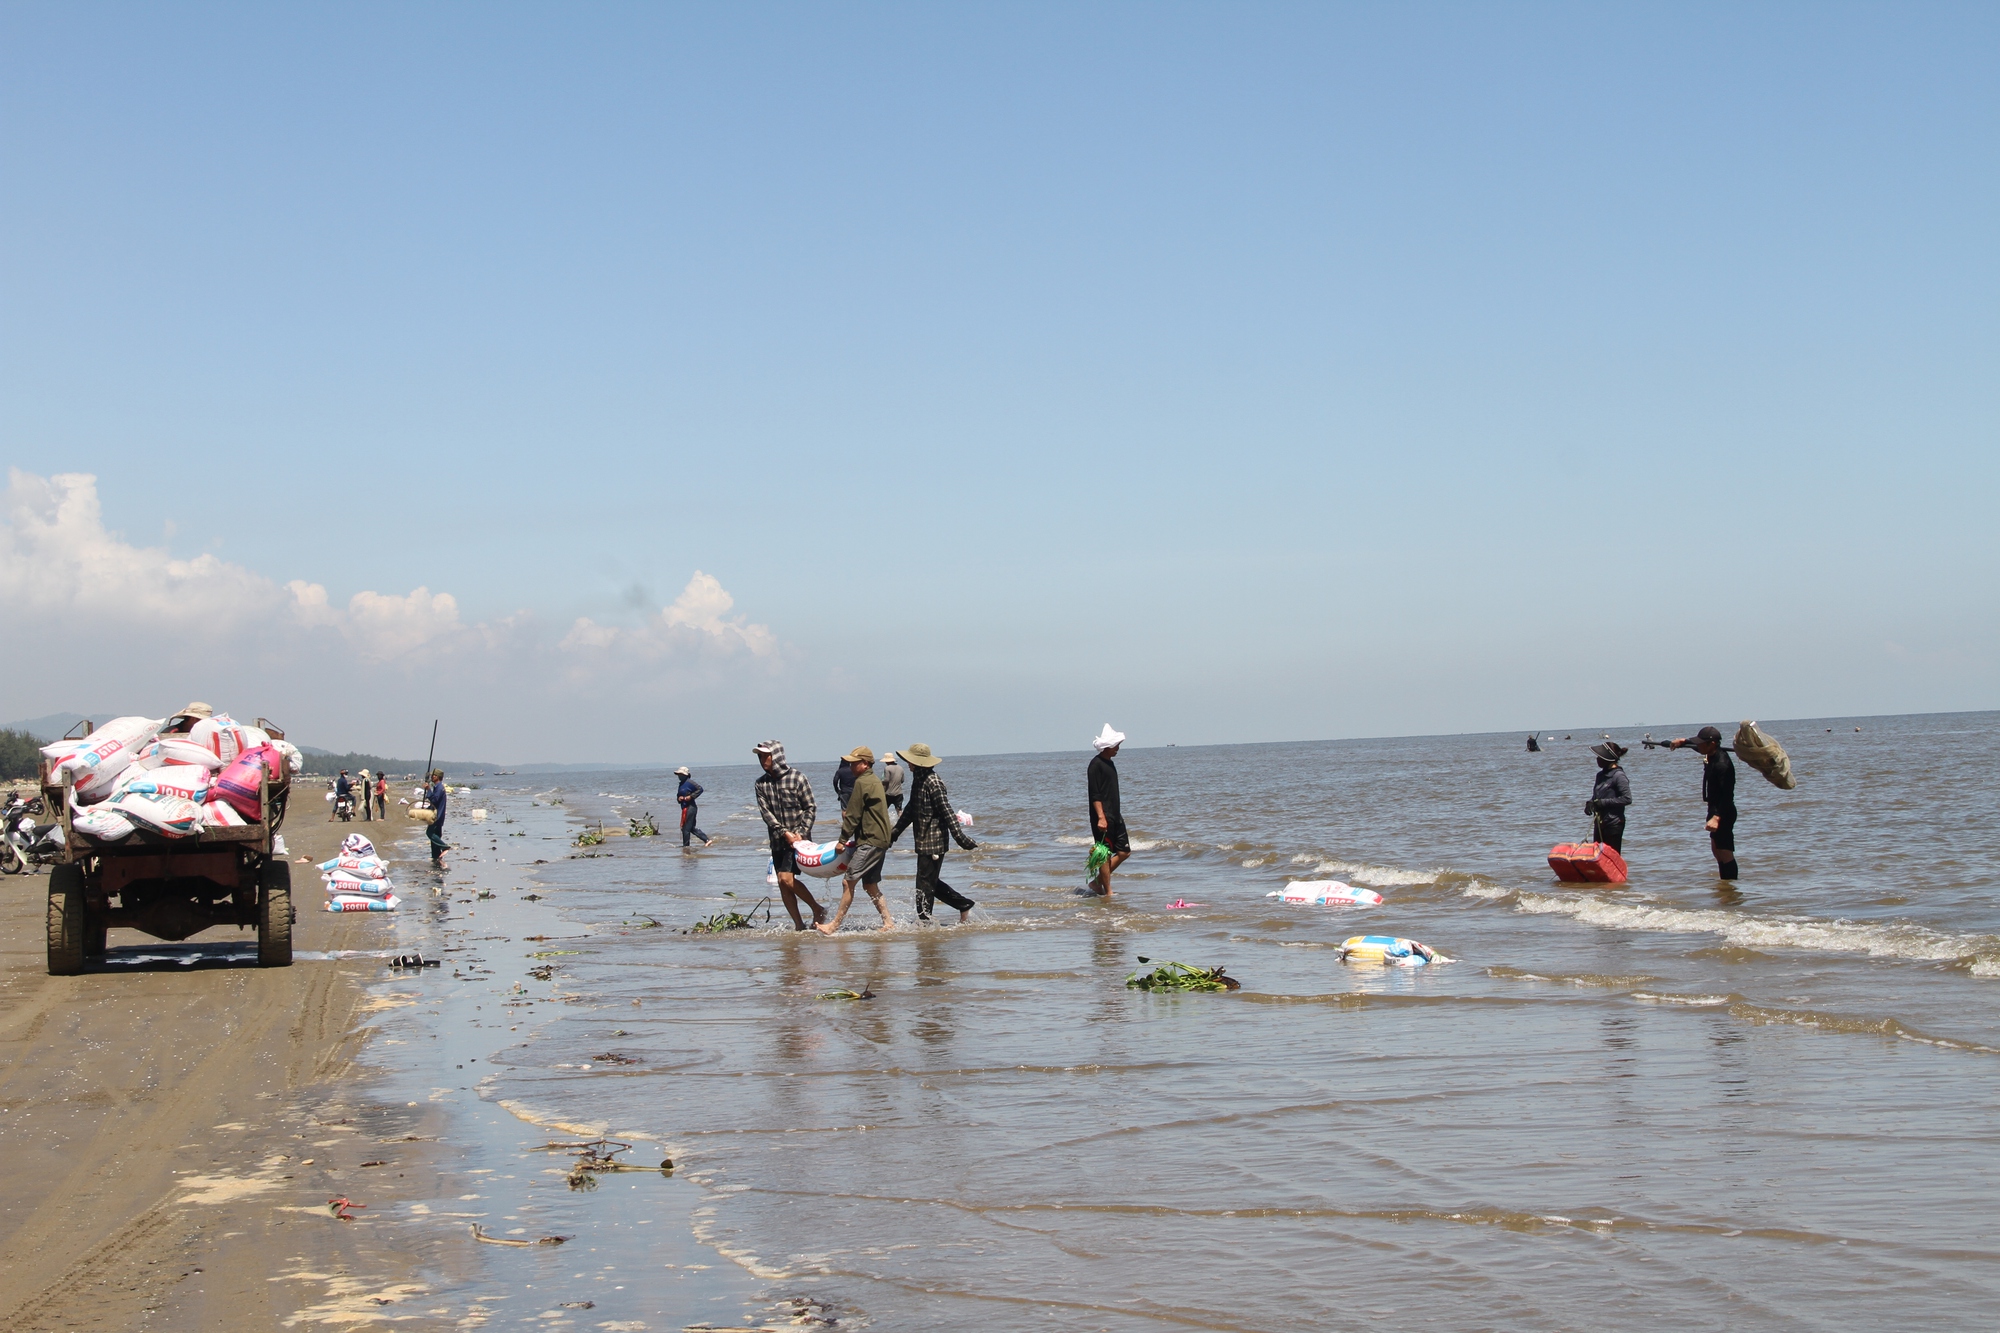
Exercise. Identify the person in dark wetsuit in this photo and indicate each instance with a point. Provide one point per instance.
(1718, 789)
(1609, 797)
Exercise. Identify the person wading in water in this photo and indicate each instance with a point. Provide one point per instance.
(1718, 789)
(1609, 798)
(1107, 820)
(785, 799)
(930, 810)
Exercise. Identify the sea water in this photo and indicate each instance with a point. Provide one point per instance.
(1677, 1103)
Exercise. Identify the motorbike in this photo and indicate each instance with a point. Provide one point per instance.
(343, 808)
(25, 844)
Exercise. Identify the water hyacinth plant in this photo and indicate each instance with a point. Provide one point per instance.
(644, 826)
(1181, 977)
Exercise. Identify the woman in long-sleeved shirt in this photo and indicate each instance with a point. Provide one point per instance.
(688, 795)
(1610, 796)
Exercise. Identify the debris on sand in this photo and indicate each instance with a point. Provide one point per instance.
(480, 1235)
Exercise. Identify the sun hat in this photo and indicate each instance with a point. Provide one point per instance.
(860, 754)
(682, 773)
(918, 756)
(1108, 739)
(196, 710)
(1610, 751)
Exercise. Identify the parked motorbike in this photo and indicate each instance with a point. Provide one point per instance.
(25, 844)
(343, 807)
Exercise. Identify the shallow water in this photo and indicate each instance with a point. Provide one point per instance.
(1676, 1104)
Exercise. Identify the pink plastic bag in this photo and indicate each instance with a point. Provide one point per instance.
(237, 784)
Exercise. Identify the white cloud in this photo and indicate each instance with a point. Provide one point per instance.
(698, 623)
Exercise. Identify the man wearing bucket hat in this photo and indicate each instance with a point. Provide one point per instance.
(689, 793)
(1107, 820)
(865, 828)
(785, 800)
(1718, 789)
(1610, 796)
(931, 811)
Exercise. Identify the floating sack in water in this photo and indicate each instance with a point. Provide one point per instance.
(822, 860)
(1388, 949)
(1326, 893)
(352, 903)
(964, 819)
(1758, 750)
(356, 844)
(1099, 854)
(103, 824)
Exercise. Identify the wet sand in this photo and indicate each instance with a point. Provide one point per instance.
(170, 1129)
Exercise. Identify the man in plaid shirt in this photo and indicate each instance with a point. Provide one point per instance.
(930, 810)
(785, 799)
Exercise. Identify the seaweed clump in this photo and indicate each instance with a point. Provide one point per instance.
(1181, 977)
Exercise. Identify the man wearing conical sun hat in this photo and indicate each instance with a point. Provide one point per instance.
(931, 811)
(1107, 821)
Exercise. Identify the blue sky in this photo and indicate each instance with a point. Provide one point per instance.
(1229, 372)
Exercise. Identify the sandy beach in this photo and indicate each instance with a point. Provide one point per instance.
(172, 1130)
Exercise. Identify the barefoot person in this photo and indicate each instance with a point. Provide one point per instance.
(930, 810)
(1610, 796)
(1107, 821)
(865, 828)
(435, 797)
(1718, 789)
(892, 781)
(785, 799)
(688, 795)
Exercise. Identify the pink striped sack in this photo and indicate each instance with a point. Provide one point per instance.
(221, 814)
(237, 784)
(187, 781)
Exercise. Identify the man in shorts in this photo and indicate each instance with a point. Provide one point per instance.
(1107, 821)
(865, 828)
(1718, 790)
(785, 799)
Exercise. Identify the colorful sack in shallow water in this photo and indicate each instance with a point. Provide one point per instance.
(1388, 949)
(349, 903)
(822, 860)
(171, 815)
(187, 781)
(1326, 893)
(1099, 854)
(237, 784)
(1758, 750)
(103, 823)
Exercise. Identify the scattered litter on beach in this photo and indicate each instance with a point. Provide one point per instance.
(479, 1234)
(1181, 977)
(414, 960)
(339, 1208)
(863, 994)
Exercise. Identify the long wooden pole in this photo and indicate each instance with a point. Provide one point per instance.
(434, 750)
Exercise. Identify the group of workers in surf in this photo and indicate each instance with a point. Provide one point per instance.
(1613, 793)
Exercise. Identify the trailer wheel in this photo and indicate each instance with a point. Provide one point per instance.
(274, 915)
(67, 921)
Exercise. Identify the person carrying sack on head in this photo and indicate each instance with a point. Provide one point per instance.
(1610, 797)
(1718, 789)
(1107, 820)
(865, 828)
(935, 819)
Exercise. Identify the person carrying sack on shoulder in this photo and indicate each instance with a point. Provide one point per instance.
(865, 828)
(1610, 797)
(1718, 790)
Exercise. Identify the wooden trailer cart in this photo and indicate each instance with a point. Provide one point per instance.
(169, 887)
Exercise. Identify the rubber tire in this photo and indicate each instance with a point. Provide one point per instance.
(11, 861)
(274, 915)
(68, 921)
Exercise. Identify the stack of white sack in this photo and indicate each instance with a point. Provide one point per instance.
(127, 775)
(357, 880)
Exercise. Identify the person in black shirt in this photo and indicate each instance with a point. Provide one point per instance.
(1718, 789)
(1107, 821)
(1610, 796)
